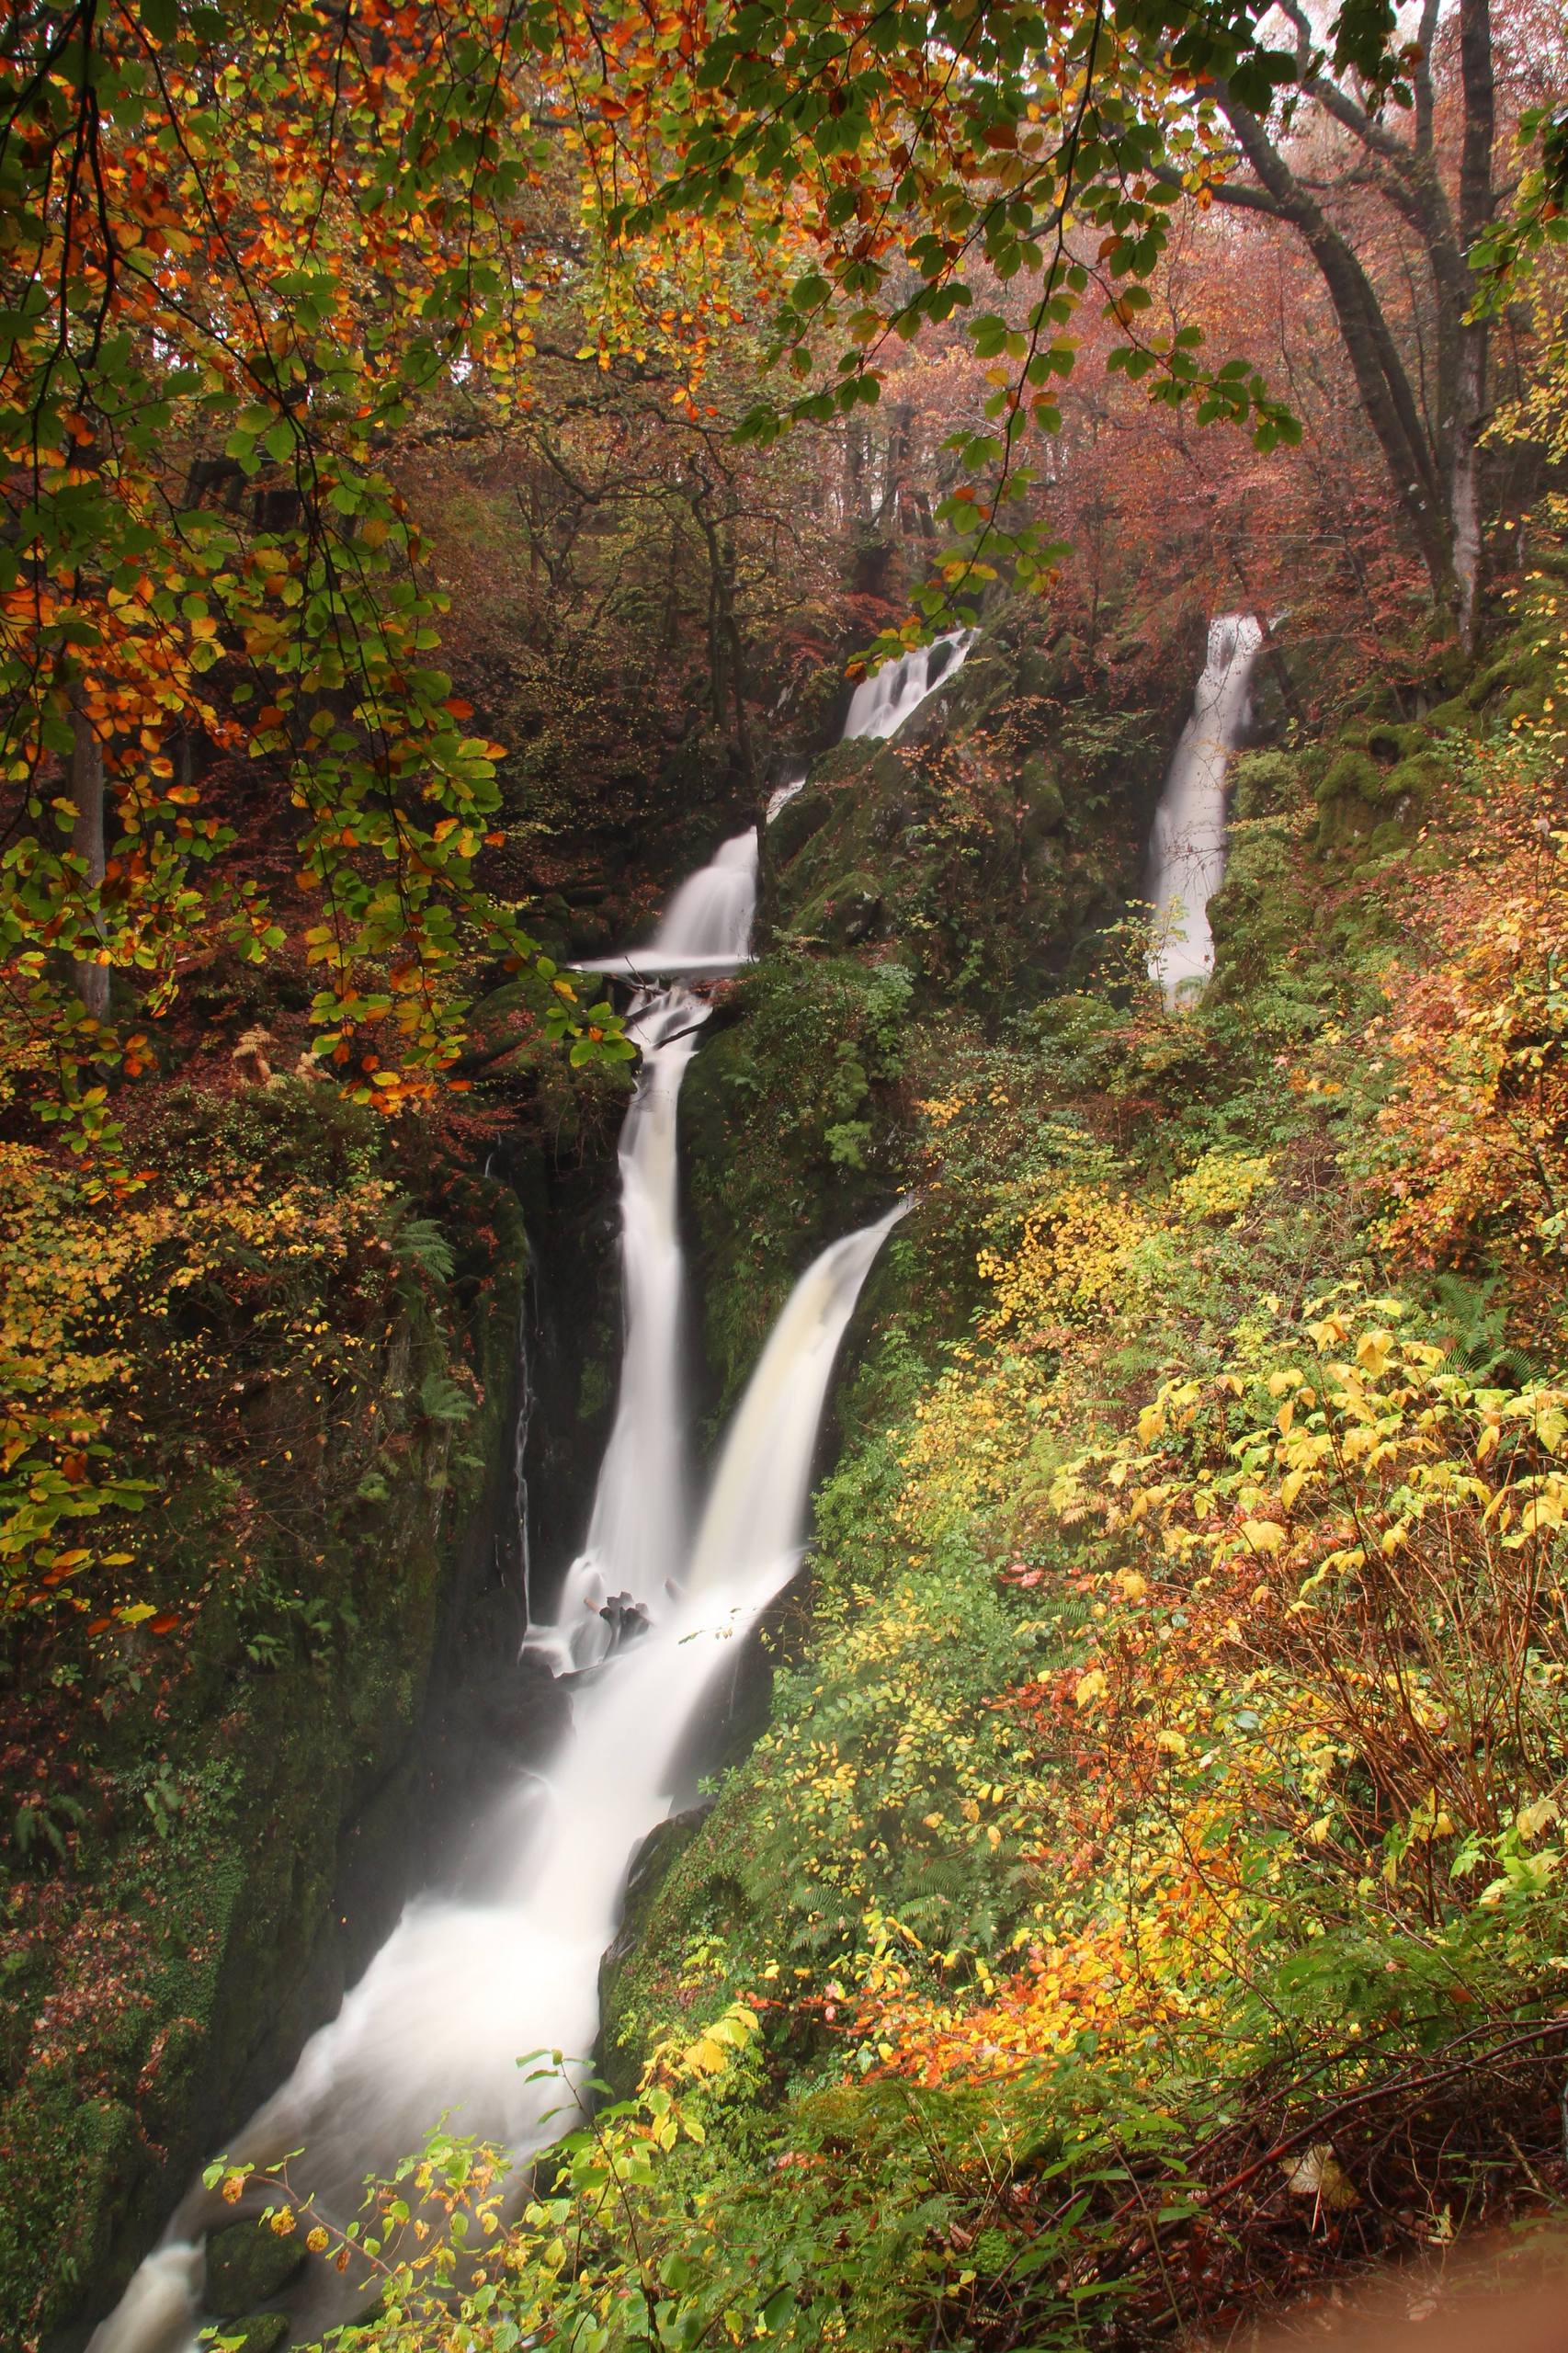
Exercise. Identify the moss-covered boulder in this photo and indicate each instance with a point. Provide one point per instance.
(248, 2265)
(622, 2047)
(255, 2332)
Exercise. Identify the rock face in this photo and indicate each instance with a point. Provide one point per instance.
(312, 1809)
(619, 2053)
(972, 862)
(246, 2266)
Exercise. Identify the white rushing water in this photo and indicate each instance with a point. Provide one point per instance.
(463, 1989)
(639, 1504)
(706, 932)
(782, 794)
(880, 704)
(1187, 854)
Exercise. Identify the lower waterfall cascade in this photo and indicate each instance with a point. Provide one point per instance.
(647, 1619)
(1187, 852)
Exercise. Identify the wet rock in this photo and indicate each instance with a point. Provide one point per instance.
(651, 1865)
(625, 1618)
(258, 2332)
(247, 2265)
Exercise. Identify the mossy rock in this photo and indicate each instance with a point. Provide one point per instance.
(840, 762)
(1452, 717)
(1392, 740)
(1042, 796)
(1042, 672)
(1351, 775)
(620, 2056)
(257, 2333)
(848, 912)
(1521, 675)
(248, 2265)
(984, 676)
(1525, 702)
(1386, 739)
(1262, 782)
(794, 825)
(1417, 781)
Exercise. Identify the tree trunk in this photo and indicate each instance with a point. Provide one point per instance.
(87, 840)
(1464, 486)
(1434, 461)
(1475, 209)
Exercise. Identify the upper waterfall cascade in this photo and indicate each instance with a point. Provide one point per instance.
(1187, 853)
(880, 704)
(648, 1617)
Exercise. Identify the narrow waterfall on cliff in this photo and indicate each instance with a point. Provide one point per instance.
(649, 1614)
(879, 705)
(782, 794)
(1187, 853)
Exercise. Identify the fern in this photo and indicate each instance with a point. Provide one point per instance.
(1478, 1331)
(440, 1399)
(425, 1244)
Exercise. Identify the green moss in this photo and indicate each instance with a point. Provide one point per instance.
(248, 2265)
(622, 2051)
(1040, 791)
(1418, 780)
(1262, 782)
(764, 1112)
(1454, 716)
(1351, 775)
(260, 2333)
(204, 1896)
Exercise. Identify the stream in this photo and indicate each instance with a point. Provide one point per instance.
(648, 1617)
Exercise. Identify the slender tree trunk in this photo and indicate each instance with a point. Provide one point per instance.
(1379, 373)
(88, 840)
(1476, 200)
(1464, 487)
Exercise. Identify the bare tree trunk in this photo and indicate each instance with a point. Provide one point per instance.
(727, 660)
(1464, 488)
(1434, 461)
(1476, 200)
(88, 840)
(1379, 373)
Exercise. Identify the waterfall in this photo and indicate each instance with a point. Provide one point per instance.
(782, 794)
(879, 705)
(522, 1426)
(639, 1512)
(1187, 853)
(463, 1988)
(706, 932)
(710, 914)
(156, 2311)
(759, 1490)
